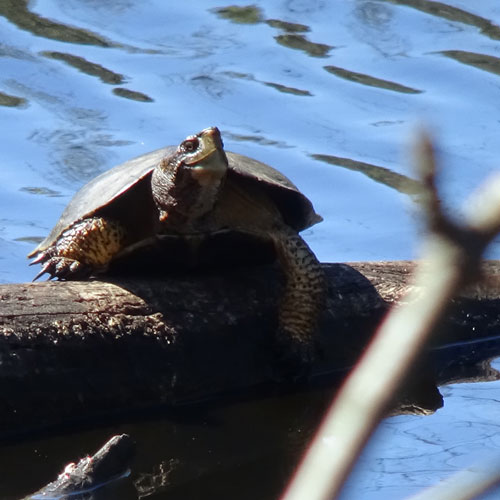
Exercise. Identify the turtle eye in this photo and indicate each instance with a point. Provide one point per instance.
(190, 145)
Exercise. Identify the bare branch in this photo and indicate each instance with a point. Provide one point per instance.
(426, 169)
(482, 211)
(466, 484)
(450, 259)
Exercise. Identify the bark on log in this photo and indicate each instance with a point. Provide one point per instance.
(70, 351)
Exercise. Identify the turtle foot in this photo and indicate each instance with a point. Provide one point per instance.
(293, 358)
(61, 268)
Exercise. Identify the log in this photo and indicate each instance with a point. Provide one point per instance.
(104, 475)
(71, 352)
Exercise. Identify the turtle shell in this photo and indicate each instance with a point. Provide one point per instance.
(128, 183)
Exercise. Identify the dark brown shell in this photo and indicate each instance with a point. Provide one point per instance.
(123, 181)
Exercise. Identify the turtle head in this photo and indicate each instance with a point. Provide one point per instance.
(186, 184)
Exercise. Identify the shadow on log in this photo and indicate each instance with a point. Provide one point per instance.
(78, 351)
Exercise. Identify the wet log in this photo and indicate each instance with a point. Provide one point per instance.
(73, 351)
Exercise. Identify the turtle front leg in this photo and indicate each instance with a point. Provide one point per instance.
(60, 267)
(86, 247)
(301, 304)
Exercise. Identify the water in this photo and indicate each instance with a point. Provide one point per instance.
(324, 91)
(410, 452)
(271, 101)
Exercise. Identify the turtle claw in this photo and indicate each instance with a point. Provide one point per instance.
(44, 259)
(61, 268)
(41, 273)
(41, 258)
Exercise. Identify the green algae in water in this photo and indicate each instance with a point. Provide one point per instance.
(383, 175)
(11, 101)
(132, 94)
(18, 13)
(286, 26)
(300, 42)
(278, 86)
(87, 67)
(480, 61)
(43, 191)
(249, 14)
(370, 81)
(287, 90)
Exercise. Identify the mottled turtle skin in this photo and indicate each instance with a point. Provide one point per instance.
(193, 190)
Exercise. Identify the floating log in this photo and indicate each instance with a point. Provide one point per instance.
(73, 351)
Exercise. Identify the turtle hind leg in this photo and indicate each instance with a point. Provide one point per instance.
(301, 304)
(86, 247)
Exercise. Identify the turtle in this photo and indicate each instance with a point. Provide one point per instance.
(193, 191)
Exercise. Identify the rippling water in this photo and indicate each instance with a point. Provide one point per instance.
(328, 92)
